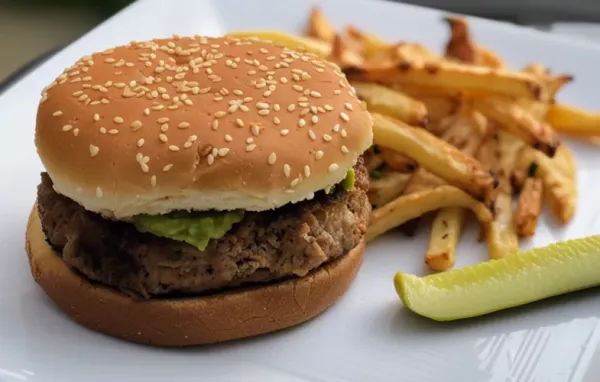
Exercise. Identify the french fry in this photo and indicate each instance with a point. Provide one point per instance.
(319, 26)
(501, 234)
(389, 186)
(560, 182)
(398, 162)
(407, 207)
(343, 54)
(572, 120)
(299, 43)
(496, 154)
(465, 132)
(445, 234)
(453, 78)
(371, 43)
(529, 207)
(460, 46)
(488, 58)
(392, 103)
(516, 120)
(433, 154)
(422, 180)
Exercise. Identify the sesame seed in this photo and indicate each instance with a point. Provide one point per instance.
(298, 88)
(187, 145)
(262, 105)
(348, 106)
(173, 148)
(228, 138)
(301, 122)
(315, 94)
(312, 135)
(327, 137)
(249, 140)
(118, 120)
(250, 147)
(147, 111)
(136, 125)
(283, 80)
(204, 90)
(344, 116)
(163, 120)
(284, 132)
(98, 192)
(276, 107)
(140, 142)
(344, 133)
(220, 114)
(164, 128)
(342, 84)
(239, 122)
(328, 107)
(94, 150)
(255, 130)
(57, 113)
(102, 130)
(294, 182)
(75, 131)
(336, 128)
(67, 128)
(319, 154)
(287, 170)
(238, 92)
(337, 92)
(167, 167)
(153, 181)
(272, 158)
(267, 93)
(77, 93)
(276, 121)
(303, 104)
(296, 77)
(264, 112)
(291, 107)
(113, 131)
(306, 171)
(333, 167)
(163, 138)
(306, 76)
(315, 119)
(223, 151)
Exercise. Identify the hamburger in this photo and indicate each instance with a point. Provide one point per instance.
(198, 190)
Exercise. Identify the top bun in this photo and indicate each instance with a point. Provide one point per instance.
(198, 124)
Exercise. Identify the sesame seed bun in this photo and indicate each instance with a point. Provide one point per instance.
(198, 124)
(193, 320)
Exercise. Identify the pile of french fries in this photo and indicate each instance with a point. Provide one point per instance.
(455, 132)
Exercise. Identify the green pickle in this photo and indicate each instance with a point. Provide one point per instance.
(494, 285)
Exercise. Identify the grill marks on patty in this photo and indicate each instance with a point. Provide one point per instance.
(263, 247)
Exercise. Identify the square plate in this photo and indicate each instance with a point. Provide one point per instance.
(368, 335)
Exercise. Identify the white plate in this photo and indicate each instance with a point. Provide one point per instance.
(368, 335)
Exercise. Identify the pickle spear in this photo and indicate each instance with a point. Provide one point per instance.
(494, 285)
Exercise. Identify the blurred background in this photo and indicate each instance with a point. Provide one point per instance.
(31, 30)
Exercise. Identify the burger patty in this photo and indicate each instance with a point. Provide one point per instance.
(263, 247)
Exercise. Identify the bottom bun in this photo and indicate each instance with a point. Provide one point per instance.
(191, 320)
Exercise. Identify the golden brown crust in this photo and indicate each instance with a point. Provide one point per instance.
(187, 321)
(181, 123)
